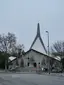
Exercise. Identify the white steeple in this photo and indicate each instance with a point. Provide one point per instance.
(38, 44)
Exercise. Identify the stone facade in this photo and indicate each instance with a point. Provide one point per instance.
(36, 57)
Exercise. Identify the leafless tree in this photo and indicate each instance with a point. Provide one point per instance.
(6, 44)
(58, 48)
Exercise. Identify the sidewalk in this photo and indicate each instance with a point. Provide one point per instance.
(54, 74)
(43, 73)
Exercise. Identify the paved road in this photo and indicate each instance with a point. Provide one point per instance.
(30, 79)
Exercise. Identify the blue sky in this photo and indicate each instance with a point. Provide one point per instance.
(21, 17)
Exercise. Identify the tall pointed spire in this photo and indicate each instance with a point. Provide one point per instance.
(38, 44)
(38, 29)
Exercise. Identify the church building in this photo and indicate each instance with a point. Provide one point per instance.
(37, 52)
(36, 55)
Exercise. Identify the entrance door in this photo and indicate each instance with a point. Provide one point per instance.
(35, 65)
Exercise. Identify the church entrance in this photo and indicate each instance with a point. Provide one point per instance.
(28, 64)
(35, 65)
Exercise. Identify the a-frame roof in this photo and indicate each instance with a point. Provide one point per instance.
(39, 42)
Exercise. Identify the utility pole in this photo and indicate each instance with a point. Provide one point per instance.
(48, 52)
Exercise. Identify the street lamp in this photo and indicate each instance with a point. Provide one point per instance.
(48, 52)
(48, 41)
